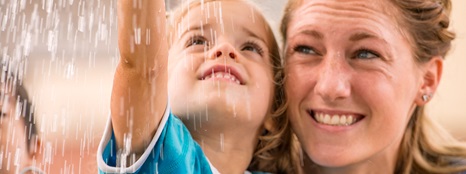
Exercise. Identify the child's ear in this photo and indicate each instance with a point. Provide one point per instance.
(431, 75)
(35, 145)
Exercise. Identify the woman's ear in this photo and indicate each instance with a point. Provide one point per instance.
(431, 75)
(269, 124)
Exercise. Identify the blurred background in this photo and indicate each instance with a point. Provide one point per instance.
(67, 53)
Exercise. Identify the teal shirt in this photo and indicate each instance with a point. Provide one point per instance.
(175, 151)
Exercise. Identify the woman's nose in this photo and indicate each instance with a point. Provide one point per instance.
(333, 81)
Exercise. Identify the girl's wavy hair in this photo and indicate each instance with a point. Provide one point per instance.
(426, 147)
(275, 149)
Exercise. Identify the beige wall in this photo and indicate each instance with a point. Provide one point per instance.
(449, 104)
(72, 91)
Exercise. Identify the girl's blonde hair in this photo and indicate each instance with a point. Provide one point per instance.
(426, 147)
(275, 151)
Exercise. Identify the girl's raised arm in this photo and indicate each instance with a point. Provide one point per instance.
(139, 95)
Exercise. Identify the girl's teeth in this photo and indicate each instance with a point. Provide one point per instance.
(223, 75)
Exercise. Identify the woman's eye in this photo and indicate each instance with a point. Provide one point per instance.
(366, 54)
(304, 50)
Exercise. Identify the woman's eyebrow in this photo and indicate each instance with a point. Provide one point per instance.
(364, 35)
(313, 33)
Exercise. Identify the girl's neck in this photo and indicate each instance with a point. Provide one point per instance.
(228, 146)
(226, 157)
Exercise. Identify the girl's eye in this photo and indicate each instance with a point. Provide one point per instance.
(366, 54)
(304, 49)
(196, 40)
(253, 47)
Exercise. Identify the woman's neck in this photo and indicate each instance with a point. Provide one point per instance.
(384, 162)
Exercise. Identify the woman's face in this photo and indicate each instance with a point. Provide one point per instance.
(351, 81)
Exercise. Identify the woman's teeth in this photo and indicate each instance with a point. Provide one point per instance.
(335, 120)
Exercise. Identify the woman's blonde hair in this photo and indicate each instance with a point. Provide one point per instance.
(275, 151)
(426, 147)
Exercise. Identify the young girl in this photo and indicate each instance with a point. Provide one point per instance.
(219, 77)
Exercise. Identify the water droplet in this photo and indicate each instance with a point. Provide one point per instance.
(49, 5)
(27, 44)
(137, 36)
(103, 32)
(148, 36)
(22, 4)
(70, 70)
(253, 15)
(17, 160)
(48, 153)
(222, 142)
(81, 23)
(1, 158)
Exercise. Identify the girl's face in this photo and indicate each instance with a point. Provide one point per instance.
(219, 65)
(351, 81)
(14, 155)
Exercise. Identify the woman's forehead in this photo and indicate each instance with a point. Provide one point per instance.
(379, 8)
(349, 15)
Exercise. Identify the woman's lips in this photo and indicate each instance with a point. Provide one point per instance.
(335, 118)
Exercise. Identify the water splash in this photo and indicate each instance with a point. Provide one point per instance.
(81, 24)
(222, 142)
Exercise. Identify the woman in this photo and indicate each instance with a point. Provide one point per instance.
(359, 74)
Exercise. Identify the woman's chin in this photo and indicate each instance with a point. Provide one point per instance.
(333, 157)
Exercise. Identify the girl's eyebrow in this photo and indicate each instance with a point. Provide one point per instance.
(252, 34)
(195, 28)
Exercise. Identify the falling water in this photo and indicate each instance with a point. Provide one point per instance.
(65, 52)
